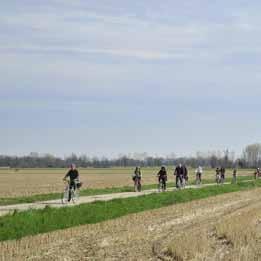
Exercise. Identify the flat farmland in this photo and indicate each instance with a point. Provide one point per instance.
(206, 229)
(27, 182)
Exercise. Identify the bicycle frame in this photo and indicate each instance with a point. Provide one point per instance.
(70, 193)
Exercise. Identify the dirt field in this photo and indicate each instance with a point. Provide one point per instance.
(25, 182)
(226, 227)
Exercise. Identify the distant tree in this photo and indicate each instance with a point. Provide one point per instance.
(252, 154)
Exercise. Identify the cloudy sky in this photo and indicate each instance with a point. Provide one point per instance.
(109, 76)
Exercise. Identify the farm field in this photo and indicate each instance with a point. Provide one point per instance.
(27, 182)
(207, 229)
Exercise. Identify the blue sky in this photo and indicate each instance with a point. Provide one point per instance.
(110, 77)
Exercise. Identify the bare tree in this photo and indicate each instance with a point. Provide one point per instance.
(252, 154)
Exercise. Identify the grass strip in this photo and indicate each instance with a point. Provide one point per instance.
(92, 192)
(32, 222)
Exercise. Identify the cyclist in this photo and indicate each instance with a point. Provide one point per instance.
(136, 177)
(162, 176)
(257, 173)
(179, 175)
(234, 179)
(185, 175)
(73, 175)
(217, 175)
(198, 172)
(222, 171)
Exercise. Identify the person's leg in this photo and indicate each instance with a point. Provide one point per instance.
(177, 179)
(139, 184)
(70, 193)
(181, 180)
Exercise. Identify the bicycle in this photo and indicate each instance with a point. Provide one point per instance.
(137, 185)
(162, 185)
(218, 178)
(71, 192)
(181, 184)
(198, 179)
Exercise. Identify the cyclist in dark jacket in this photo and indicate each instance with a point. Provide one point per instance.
(222, 171)
(162, 176)
(136, 177)
(179, 171)
(234, 178)
(73, 174)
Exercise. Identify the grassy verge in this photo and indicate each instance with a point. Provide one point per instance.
(33, 222)
(92, 192)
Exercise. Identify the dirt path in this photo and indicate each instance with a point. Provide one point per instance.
(83, 199)
(143, 236)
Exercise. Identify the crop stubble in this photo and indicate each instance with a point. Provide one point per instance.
(27, 182)
(208, 229)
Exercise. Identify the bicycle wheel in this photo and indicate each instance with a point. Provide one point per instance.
(139, 187)
(183, 183)
(74, 195)
(160, 186)
(65, 196)
(136, 186)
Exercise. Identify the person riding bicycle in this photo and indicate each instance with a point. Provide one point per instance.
(234, 178)
(257, 173)
(179, 172)
(136, 177)
(217, 175)
(162, 176)
(222, 171)
(73, 175)
(199, 172)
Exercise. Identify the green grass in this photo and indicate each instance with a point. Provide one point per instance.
(33, 222)
(92, 192)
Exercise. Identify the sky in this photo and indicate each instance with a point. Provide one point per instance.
(109, 77)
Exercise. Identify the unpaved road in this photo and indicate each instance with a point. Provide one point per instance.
(83, 199)
(142, 236)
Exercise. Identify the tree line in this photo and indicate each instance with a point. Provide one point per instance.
(251, 158)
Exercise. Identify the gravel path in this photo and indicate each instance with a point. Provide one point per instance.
(83, 199)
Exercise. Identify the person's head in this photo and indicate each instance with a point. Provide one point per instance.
(180, 165)
(162, 168)
(72, 166)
